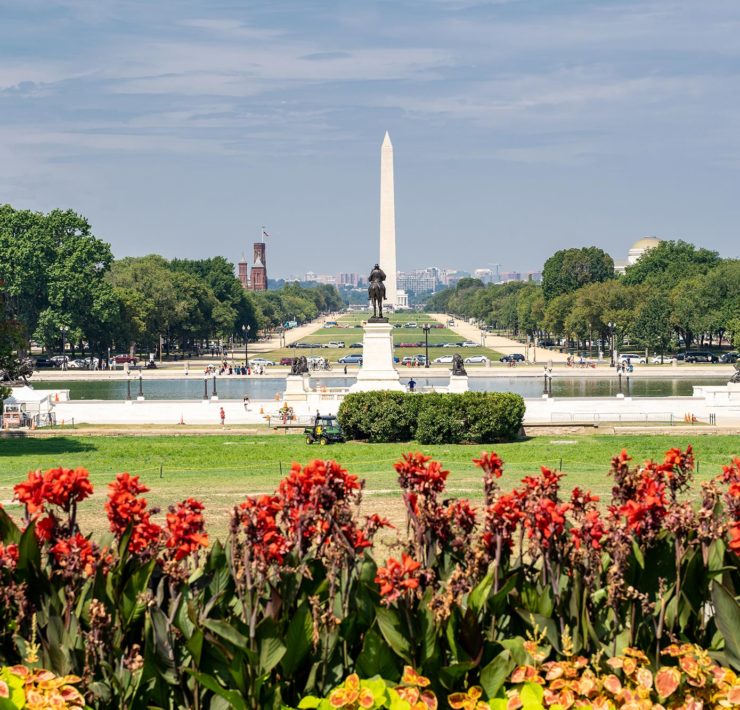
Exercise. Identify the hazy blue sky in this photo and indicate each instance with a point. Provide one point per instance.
(519, 126)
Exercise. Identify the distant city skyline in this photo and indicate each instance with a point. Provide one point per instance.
(520, 127)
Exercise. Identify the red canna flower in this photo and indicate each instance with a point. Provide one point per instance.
(66, 487)
(397, 578)
(76, 551)
(420, 474)
(125, 508)
(31, 492)
(8, 556)
(645, 512)
(502, 519)
(257, 517)
(547, 521)
(186, 526)
(591, 532)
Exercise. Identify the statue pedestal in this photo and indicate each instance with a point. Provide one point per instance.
(296, 388)
(377, 371)
(458, 384)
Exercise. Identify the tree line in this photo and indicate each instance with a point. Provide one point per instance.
(675, 294)
(61, 283)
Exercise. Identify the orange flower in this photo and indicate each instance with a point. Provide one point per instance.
(186, 527)
(397, 578)
(411, 677)
(469, 700)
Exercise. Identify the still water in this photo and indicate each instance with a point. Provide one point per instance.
(266, 387)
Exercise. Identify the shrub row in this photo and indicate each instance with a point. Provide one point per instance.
(472, 417)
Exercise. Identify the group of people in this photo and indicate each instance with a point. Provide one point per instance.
(226, 368)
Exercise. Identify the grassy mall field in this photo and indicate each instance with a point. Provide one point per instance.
(349, 330)
(221, 470)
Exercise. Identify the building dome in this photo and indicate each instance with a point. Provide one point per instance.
(645, 243)
(640, 247)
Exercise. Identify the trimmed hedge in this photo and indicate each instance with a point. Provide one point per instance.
(472, 417)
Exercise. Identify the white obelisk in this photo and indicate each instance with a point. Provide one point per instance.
(388, 221)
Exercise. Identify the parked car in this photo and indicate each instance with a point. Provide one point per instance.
(633, 358)
(414, 360)
(42, 362)
(336, 344)
(286, 361)
(476, 360)
(411, 325)
(59, 360)
(122, 359)
(442, 360)
(452, 345)
(469, 344)
(729, 357)
(666, 360)
(356, 345)
(700, 356)
(514, 357)
(351, 360)
(261, 361)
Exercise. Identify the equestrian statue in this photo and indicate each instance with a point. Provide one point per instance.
(376, 292)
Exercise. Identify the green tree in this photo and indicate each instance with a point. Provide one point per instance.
(653, 323)
(669, 263)
(569, 269)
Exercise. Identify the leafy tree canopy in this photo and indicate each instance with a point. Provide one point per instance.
(569, 269)
(670, 262)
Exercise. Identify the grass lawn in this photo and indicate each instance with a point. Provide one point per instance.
(222, 470)
(349, 330)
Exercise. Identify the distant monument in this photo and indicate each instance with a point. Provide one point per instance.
(395, 298)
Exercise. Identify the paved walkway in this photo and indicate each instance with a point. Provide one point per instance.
(499, 343)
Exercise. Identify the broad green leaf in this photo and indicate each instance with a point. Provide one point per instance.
(227, 632)
(638, 554)
(376, 658)
(297, 640)
(727, 616)
(9, 531)
(478, 597)
(207, 681)
(494, 675)
(271, 648)
(531, 694)
(390, 627)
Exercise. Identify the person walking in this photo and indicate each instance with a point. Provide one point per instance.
(412, 384)
(222, 414)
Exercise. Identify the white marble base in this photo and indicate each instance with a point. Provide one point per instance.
(296, 388)
(458, 384)
(377, 371)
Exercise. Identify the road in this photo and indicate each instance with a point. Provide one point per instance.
(499, 343)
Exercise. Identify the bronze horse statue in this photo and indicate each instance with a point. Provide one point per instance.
(376, 290)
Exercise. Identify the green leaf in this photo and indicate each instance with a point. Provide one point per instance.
(309, 702)
(477, 598)
(9, 531)
(227, 632)
(209, 682)
(132, 596)
(271, 648)
(390, 627)
(727, 613)
(376, 658)
(494, 675)
(297, 640)
(531, 694)
(638, 554)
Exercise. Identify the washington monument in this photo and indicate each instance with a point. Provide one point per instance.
(388, 221)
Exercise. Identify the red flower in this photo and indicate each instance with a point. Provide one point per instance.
(78, 551)
(397, 578)
(645, 512)
(502, 519)
(547, 520)
(45, 528)
(257, 516)
(421, 474)
(31, 492)
(491, 463)
(186, 527)
(590, 533)
(65, 486)
(581, 500)
(734, 533)
(8, 555)
(124, 508)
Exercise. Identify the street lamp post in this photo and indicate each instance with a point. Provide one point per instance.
(205, 388)
(425, 328)
(611, 342)
(64, 329)
(128, 388)
(245, 330)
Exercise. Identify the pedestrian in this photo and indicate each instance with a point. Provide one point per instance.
(222, 414)
(345, 369)
(412, 384)
(246, 403)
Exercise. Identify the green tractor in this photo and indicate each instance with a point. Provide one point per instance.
(325, 430)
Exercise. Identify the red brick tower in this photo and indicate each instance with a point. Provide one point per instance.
(259, 269)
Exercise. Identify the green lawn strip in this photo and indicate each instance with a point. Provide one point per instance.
(221, 470)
